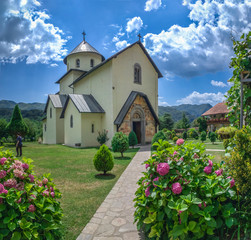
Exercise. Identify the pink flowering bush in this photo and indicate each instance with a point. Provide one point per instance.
(25, 211)
(184, 195)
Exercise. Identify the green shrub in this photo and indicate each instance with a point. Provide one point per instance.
(29, 206)
(192, 133)
(203, 136)
(3, 140)
(168, 134)
(103, 159)
(120, 143)
(175, 139)
(157, 136)
(184, 195)
(226, 132)
(212, 137)
(184, 135)
(132, 139)
(226, 143)
(102, 137)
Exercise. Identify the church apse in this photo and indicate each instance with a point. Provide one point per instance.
(139, 119)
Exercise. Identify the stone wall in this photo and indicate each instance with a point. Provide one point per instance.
(149, 120)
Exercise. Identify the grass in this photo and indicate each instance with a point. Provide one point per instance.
(83, 190)
(208, 144)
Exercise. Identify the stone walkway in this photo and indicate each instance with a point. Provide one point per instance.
(215, 150)
(114, 218)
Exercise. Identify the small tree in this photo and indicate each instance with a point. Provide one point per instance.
(157, 136)
(184, 135)
(16, 124)
(203, 136)
(120, 143)
(103, 160)
(202, 124)
(132, 139)
(212, 137)
(102, 137)
(166, 121)
(185, 122)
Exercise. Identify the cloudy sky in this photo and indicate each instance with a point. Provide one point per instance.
(190, 41)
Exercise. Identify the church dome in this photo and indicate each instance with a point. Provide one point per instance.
(84, 47)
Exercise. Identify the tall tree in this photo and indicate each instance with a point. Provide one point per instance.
(3, 124)
(166, 121)
(16, 124)
(202, 124)
(185, 122)
(240, 62)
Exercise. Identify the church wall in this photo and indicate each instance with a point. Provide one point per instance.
(89, 138)
(60, 126)
(149, 120)
(99, 84)
(49, 136)
(72, 135)
(67, 80)
(123, 78)
(84, 61)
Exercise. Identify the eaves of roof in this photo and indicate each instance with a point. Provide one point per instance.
(58, 81)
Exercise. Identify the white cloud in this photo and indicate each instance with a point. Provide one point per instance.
(200, 98)
(134, 24)
(205, 45)
(121, 44)
(152, 4)
(162, 102)
(27, 35)
(218, 83)
(54, 65)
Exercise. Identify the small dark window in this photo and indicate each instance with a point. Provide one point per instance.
(92, 128)
(137, 73)
(50, 112)
(77, 63)
(45, 127)
(71, 121)
(92, 63)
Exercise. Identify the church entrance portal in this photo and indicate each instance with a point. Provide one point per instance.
(137, 130)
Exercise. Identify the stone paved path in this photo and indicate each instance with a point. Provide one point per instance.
(215, 150)
(114, 218)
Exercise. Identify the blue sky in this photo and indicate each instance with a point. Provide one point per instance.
(190, 41)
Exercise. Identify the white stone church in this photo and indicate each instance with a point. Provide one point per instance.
(116, 94)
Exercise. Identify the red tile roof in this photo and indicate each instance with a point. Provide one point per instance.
(219, 108)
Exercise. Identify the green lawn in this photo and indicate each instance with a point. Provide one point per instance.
(74, 174)
(208, 144)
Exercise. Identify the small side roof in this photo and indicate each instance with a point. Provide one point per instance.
(85, 103)
(78, 70)
(58, 100)
(124, 110)
(114, 56)
(219, 108)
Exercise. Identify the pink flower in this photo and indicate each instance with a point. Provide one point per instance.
(2, 174)
(210, 163)
(31, 178)
(19, 200)
(196, 156)
(200, 205)
(176, 188)
(51, 188)
(45, 181)
(204, 204)
(20, 186)
(45, 192)
(181, 159)
(154, 155)
(232, 183)
(147, 166)
(208, 169)
(180, 211)
(163, 168)
(32, 208)
(2, 190)
(10, 183)
(2, 161)
(53, 194)
(25, 166)
(219, 172)
(33, 197)
(155, 179)
(18, 173)
(175, 153)
(180, 141)
(147, 191)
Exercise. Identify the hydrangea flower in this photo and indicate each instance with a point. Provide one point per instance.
(196, 156)
(163, 168)
(147, 166)
(200, 205)
(147, 191)
(31, 208)
(2, 189)
(219, 172)
(155, 179)
(10, 183)
(181, 159)
(19, 200)
(25, 166)
(232, 183)
(175, 153)
(180, 141)
(2, 161)
(53, 194)
(2, 174)
(31, 178)
(45, 181)
(210, 163)
(176, 188)
(208, 169)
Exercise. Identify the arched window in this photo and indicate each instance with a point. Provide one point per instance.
(92, 63)
(137, 73)
(77, 63)
(50, 112)
(92, 128)
(71, 121)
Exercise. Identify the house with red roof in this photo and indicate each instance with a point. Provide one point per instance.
(217, 117)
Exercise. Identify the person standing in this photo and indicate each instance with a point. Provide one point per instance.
(19, 145)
